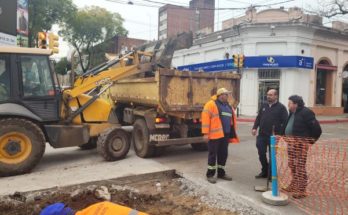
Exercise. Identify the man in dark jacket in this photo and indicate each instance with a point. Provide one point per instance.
(270, 120)
(302, 129)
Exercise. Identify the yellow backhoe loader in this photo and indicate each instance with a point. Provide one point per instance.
(35, 110)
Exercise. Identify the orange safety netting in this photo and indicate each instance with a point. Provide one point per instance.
(315, 176)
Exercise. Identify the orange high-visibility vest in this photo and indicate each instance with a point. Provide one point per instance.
(211, 122)
(108, 208)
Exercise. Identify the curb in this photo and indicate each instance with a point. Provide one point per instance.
(332, 121)
(322, 121)
(245, 120)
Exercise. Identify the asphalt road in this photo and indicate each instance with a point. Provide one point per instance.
(72, 165)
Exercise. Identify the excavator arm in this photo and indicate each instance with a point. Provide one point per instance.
(110, 72)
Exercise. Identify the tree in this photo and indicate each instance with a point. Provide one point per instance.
(333, 8)
(44, 13)
(62, 66)
(89, 27)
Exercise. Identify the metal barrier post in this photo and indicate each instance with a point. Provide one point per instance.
(275, 191)
(274, 197)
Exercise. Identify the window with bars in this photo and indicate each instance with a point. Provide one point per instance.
(269, 74)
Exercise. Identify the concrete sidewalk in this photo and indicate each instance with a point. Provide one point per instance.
(65, 173)
(322, 119)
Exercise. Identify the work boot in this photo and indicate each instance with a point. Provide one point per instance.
(261, 175)
(225, 177)
(211, 179)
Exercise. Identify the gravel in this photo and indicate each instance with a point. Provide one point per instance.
(216, 197)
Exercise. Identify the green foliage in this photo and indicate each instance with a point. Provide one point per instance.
(89, 27)
(62, 66)
(44, 13)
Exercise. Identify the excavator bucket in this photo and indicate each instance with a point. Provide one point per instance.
(162, 53)
(163, 50)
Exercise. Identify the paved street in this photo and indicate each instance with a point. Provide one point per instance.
(71, 166)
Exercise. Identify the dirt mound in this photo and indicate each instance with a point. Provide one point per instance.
(164, 196)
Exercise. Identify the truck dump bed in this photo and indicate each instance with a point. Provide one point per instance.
(175, 93)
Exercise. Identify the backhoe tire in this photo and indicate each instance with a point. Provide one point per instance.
(114, 144)
(92, 144)
(140, 141)
(22, 145)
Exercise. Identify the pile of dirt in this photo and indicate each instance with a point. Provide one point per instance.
(155, 196)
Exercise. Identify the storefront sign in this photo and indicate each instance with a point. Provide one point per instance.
(212, 66)
(254, 62)
(279, 62)
(8, 40)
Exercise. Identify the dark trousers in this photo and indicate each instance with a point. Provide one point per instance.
(297, 159)
(217, 151)
(262, 143)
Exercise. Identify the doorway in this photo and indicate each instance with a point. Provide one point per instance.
(345, 89)
(324, 83)
(268, 79)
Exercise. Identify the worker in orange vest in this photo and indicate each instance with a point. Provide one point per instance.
(100, 208)
(219, 129)
(108, 208)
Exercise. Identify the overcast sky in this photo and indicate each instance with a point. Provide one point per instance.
(141, 18)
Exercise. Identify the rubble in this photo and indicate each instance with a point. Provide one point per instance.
(102, 193)
(164, 196)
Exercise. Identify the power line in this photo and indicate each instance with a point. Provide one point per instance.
(174, 2)
(131, 3)
(238, 1)
(197, 8)
(164, 3)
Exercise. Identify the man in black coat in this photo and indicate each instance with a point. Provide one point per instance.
(270, 120)
(301, 130)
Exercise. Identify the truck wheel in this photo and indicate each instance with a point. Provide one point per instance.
(92, 144)
(22, 145)
(140, 137)
(113, 144)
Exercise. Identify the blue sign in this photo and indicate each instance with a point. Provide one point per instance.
(279, 62)
(253, 62)
(212, 66)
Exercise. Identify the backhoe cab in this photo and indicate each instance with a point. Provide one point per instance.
(34, 110)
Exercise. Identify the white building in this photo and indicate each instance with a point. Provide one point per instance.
(272, 37)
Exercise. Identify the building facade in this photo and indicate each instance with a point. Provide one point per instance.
(14, 23)
(113, 46)
(120, 44)
(173, 19)
(268, 48)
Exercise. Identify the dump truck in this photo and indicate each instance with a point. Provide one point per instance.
(164, 106)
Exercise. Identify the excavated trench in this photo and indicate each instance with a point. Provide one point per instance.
(155, 193)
